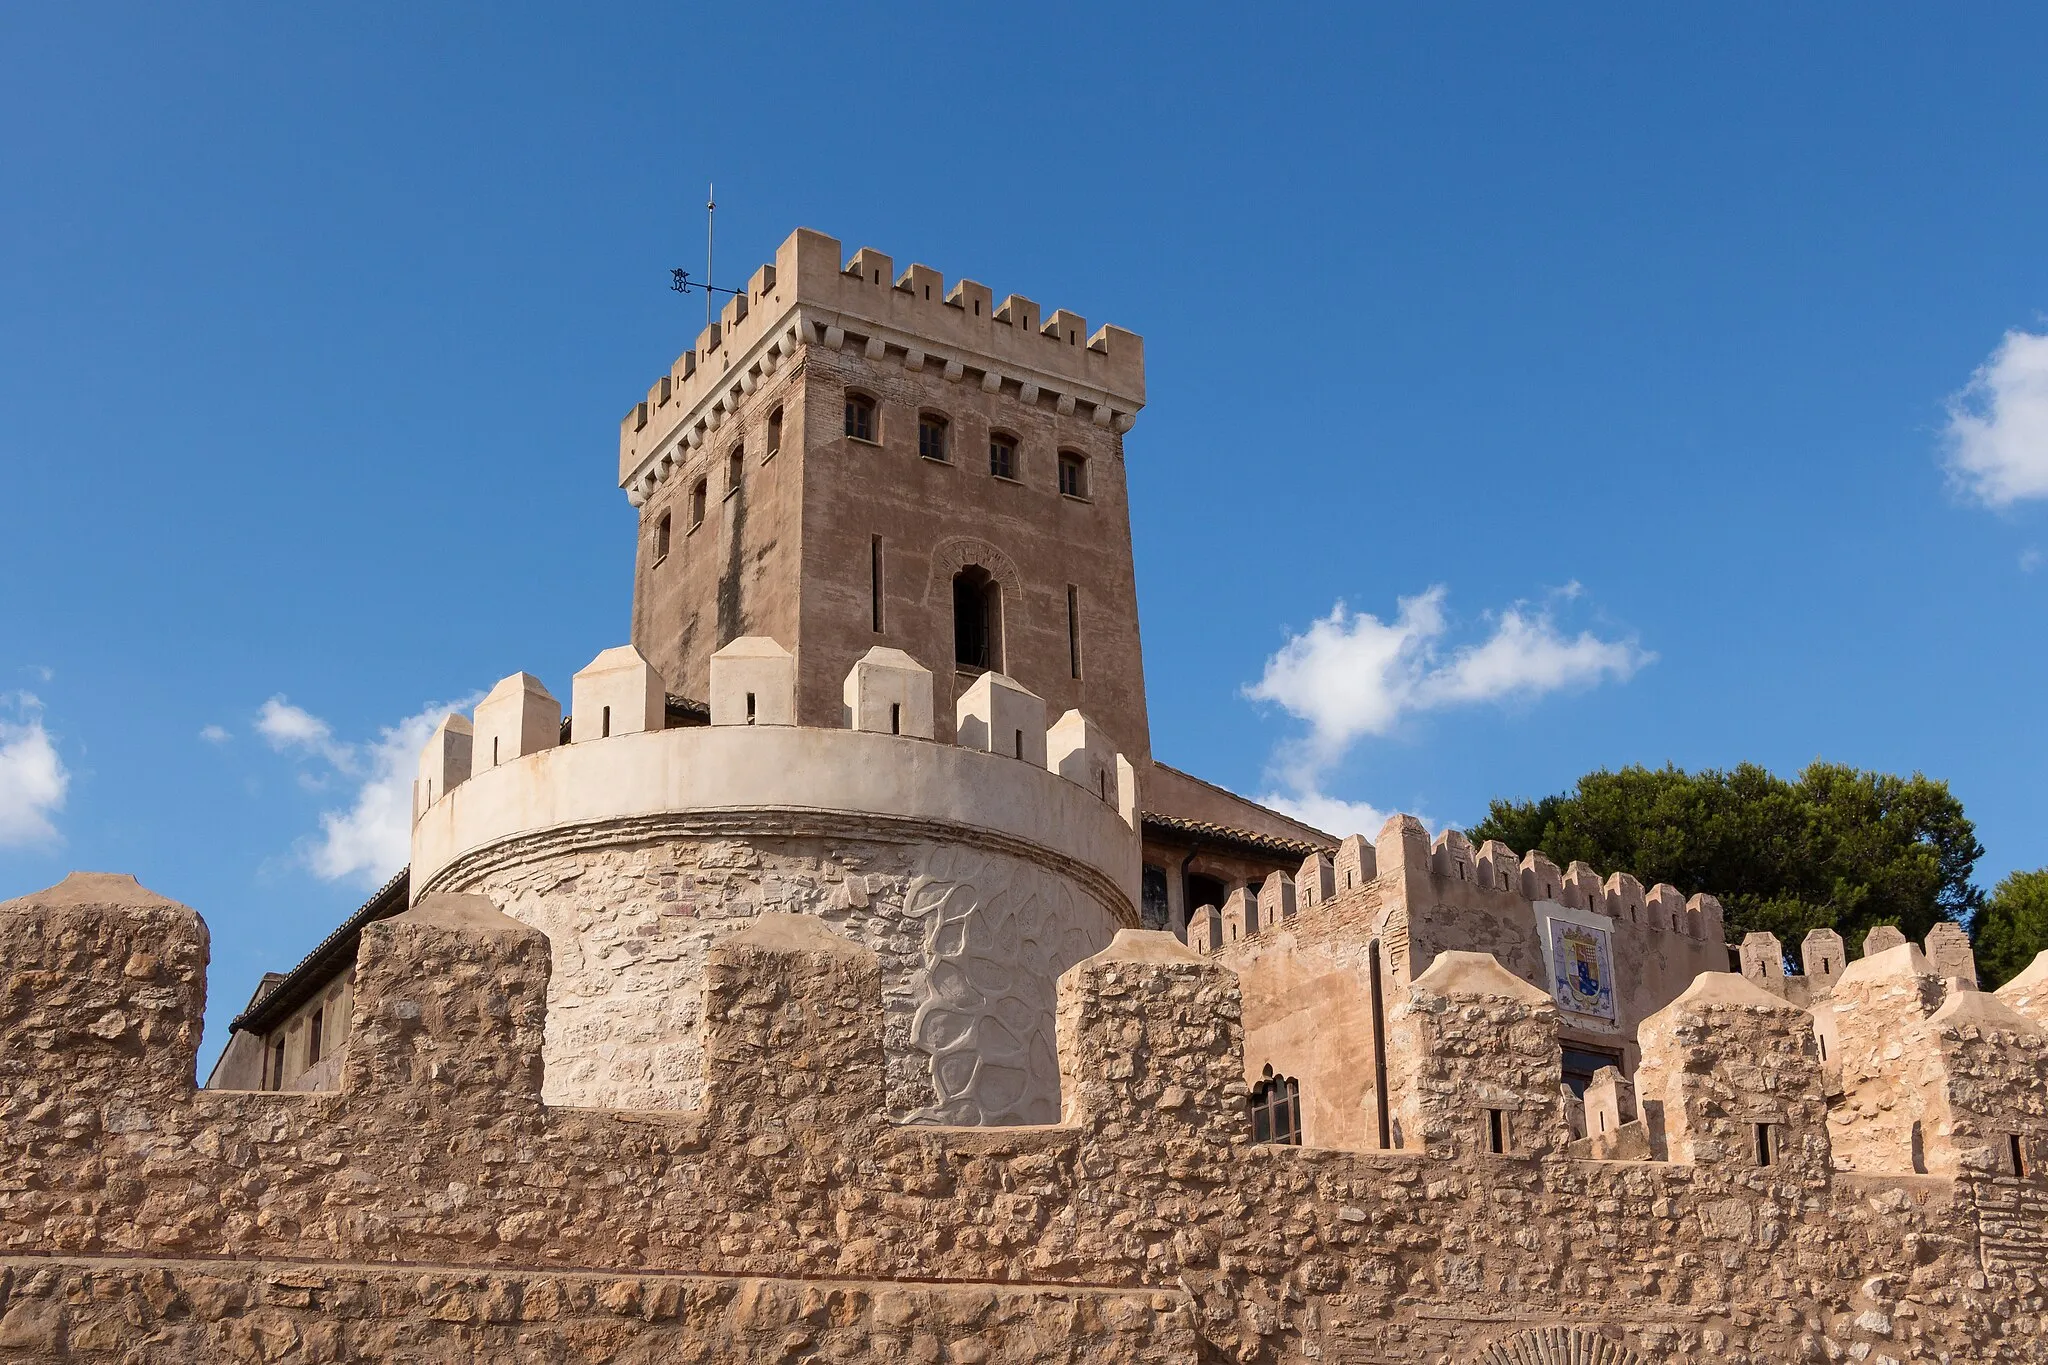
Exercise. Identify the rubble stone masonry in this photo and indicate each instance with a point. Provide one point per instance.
(436, 1209)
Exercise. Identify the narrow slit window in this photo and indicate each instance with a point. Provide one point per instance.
(275, 1079)
(875, 582)
(1020, 744)
(606, 731)
(494, 751)
(697, 498)
(774, 434)
(2018, 1152)
(895, 717)
(661, 529)
(1074, 630)
(313, 1035)
(735, 469)
(750, 708)
(1497, 1132)
(1764, 1154)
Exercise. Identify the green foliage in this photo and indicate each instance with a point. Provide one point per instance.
(1837, 849)
(2012, 927)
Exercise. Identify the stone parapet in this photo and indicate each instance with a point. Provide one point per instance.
(719, 772)
(809, 297)
(435, 1209)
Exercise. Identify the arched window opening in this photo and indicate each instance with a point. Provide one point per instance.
(774, 434)
(1276, 1109)
(931, 436)
(697, 504)
(661, 529)
(735, 469)
(860, 417)
(977, 619)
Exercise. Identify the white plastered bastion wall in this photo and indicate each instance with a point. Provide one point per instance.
(978, 879)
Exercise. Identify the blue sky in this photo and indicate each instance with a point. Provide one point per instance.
(1644, 387)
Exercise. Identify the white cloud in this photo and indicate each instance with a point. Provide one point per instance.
(214, 734)
(287, 727)
(371, 838)
(2030, 560)
(1330, 814)
(32, 776)
(1997, 432)
(1351, 675)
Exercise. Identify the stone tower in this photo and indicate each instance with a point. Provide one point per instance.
(853, 457)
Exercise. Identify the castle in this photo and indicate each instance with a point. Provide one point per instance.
(842, 979)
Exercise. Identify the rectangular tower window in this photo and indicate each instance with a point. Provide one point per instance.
(2018, 1154)
(1496, 1132)
(735, 469)
(1002, 457)
(875, 581)
(1074, 630)
(774, 434)
(1764, 1154)
(661, 529)
(931, 436)
(1073, 474)
(313, 1035)
(275, 1080)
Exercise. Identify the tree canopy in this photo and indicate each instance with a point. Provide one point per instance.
(2012, 927)
(1836, 849)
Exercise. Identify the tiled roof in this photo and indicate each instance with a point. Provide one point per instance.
(1176, 827)
(328, 956)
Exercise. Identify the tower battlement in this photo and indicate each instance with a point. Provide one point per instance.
(809, 296)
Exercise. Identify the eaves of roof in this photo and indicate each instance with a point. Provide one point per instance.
(1174, 828)
(330, 955)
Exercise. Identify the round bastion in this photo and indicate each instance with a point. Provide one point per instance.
(977, 871)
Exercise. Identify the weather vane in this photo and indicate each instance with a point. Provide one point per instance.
(679, 280)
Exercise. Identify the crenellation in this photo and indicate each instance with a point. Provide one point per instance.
(1146, 1187)
(1276, 899)
(1451, 856)
(444, 762)
(1763, 959)
(1541, 879)
(806, 294)
(1356, 864)
(1624, 897)
(1316, 882)
(1241, 915)
(517, 717)
(1664, 908)
(1580, 889)
(1948, 952)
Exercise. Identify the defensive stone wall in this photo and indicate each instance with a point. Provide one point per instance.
(437, 1207)
(978, 878)
(808, 296)
(1314, 949)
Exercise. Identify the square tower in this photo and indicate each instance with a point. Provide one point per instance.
(853, 457)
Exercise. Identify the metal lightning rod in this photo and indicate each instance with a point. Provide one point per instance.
(680, 281)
